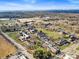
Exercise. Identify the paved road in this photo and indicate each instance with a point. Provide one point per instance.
(20, 47)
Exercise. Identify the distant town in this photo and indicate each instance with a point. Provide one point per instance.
(39, 35)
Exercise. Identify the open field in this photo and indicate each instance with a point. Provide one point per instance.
(6, 21)
(52, 34)
(6, 48)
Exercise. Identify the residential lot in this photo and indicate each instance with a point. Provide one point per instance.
(13, 35)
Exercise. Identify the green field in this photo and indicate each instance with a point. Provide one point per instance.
(52, 34)
(77, 48)
(13, 35)
(63, 47)
(6, 21)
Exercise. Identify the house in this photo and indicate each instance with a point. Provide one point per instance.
(73, 38)
(63, 42)
(62, 31)
(24, 36)
(44, 45)
(65, 33)
(19, 55)
(48, 43)
(55, 49)
(42, 36)
(31, 29)
(72, 35)
(47, 25)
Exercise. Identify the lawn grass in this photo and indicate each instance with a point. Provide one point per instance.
(13, 35)
(7, 21)
(77, 48)
(63, 47)
(52, 34)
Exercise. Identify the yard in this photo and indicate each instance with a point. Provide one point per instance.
(63, 47)
(6, 48)
(13, 35)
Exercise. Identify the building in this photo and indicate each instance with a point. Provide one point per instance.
(18, 56)
(63, 42)
(24, 36)
(74, 38)
(23, 20)
(67, 57)
(48, 42)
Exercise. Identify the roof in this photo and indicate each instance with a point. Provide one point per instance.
(23, 20)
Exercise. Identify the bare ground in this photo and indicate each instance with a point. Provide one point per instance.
(6, 48)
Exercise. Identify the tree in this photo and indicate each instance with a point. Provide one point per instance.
(42, 54)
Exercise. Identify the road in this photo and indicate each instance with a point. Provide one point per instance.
(20, 47)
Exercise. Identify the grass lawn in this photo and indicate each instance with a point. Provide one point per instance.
(6, 21)
(63, 47)
(13, 35)
(52, 34)
(77, 48)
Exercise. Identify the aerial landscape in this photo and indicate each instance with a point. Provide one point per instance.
(39, 29)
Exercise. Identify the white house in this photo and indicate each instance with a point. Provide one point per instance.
(24, 36)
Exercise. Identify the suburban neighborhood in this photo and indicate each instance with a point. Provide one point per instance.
(51, 36)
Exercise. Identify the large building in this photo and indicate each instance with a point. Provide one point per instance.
(23, 20)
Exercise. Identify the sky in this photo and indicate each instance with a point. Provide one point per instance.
(30, 5)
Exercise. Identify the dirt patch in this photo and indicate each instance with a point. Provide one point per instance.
(6, 48)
